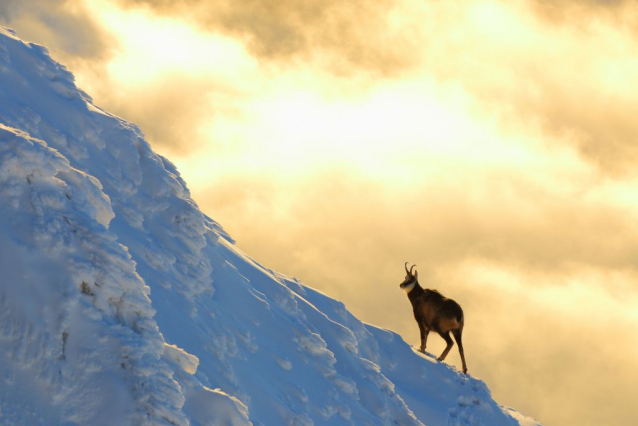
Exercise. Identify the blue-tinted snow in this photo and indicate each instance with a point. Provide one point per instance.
(121, 303)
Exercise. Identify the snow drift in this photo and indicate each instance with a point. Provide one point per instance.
(121, 303)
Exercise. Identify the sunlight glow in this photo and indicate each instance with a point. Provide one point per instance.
(151, 46)
(302, 121)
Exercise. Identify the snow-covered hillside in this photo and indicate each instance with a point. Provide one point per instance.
(121, 303)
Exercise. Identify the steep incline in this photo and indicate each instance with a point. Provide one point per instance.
(121, 303)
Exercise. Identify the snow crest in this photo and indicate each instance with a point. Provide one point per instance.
(94, 321)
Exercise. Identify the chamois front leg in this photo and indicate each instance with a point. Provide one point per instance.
(457, 336)
(449, 342)
(424, 335)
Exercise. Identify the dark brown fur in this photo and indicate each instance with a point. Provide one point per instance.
(433, 311)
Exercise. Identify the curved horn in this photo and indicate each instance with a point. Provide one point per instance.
(406, 268)
(411, 269)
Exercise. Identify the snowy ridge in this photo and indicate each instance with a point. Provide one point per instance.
(103, 327)
(121, 303)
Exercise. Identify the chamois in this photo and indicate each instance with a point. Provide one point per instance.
(432, 311)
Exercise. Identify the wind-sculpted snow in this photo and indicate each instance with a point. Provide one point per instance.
(74, 311)
(121, 303)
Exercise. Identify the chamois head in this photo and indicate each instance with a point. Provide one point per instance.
(410, 279)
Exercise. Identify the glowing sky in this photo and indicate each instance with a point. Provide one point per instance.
(492, 143)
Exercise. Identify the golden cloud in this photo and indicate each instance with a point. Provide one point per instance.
(63, 25)
(372, 35)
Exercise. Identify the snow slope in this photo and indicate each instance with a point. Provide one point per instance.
(121, 303)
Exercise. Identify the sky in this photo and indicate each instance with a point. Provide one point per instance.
(492, 143)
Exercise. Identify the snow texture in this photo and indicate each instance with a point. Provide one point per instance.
(122, 303)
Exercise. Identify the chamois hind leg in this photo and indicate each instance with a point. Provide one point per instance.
(457, 336)
(424, 335)
(449, 342)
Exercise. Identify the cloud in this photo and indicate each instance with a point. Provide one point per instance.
(374, 36)
(567, 69)
(565, 66)
(445, 221)
(572, 75)
(167, 115)
(570, 10)
(63, 25)
(538, 333)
